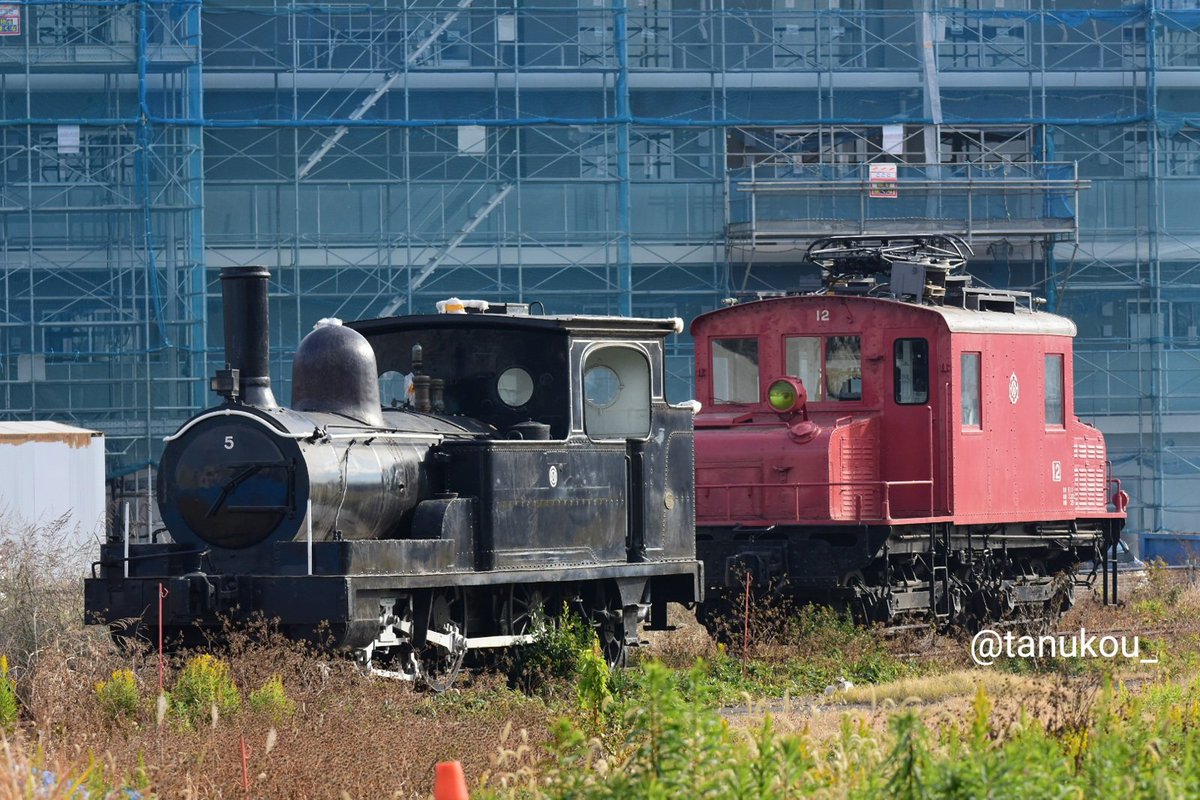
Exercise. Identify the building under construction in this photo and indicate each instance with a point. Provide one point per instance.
(602, 156)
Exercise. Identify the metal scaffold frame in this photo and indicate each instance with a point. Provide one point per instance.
(598, 158)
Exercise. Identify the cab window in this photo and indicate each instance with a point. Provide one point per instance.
(616, 394)
(969, 377)
(843, 368)
(803, 356)
(735, 370)
(1054, 390)
(910, 368)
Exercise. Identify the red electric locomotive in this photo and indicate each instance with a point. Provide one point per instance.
(901, 444)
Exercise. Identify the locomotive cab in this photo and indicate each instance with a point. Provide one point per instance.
(586, 462)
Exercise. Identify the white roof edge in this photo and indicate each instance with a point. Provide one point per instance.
(961, 320)
(43, 427)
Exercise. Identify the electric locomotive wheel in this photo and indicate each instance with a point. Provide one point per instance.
(440, 661)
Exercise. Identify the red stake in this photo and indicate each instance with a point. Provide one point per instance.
(746, 625)
(245, 765)
(162, 593)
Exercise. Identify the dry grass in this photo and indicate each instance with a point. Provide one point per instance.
(350, 735)
(365, 737)
(936, 688)
(355, 737)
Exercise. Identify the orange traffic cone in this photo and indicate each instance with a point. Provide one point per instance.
(449, 782)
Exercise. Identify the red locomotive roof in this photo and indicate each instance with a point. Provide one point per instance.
(957, 320)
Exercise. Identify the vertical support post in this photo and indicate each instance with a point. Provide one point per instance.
(624, 122)
(1104, 572)
(933, 570)
(1051, 277)
(162, 594)
(194, 181)
(245, 752)
(149, 503)
(308, 522)
(125, 520)
(746, 623)
(1158, 325)
(1116, 544)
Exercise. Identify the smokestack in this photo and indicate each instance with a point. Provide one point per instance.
(247, 337)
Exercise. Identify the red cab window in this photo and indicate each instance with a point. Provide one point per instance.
(735, 370)
(972, 409)
(1054, 390)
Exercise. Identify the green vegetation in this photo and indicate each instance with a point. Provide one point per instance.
(671, 743)
(204, 685)
(9, 710)
(118, 696)
(554, 655)
(272, 700)
(798, 651)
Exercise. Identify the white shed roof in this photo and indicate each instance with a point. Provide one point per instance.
(45, 431)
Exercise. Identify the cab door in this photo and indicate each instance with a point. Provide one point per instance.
(910, 404)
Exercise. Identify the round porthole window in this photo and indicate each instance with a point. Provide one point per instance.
(601, 386)
(515, 387)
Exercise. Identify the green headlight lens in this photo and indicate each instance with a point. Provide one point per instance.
(781, 396)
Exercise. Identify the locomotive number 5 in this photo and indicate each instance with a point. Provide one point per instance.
(228, 442)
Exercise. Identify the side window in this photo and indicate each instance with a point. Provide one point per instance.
(910, 367)
(843, 368)
(395, 389)
(803, 361)
(515, 387)
(1054, 389)
(616, 394)
(735, 370)
(971, 410)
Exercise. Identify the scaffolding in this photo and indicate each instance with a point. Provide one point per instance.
(606, 156)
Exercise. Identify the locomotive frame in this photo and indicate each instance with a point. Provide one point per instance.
(537, 464)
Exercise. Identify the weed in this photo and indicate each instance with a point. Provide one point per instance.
(272, 700)
(204, 685)
(9, 709)
(554, 655)
(118, 696)
(594, 686)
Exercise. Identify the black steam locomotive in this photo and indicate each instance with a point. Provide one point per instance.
(521, 462)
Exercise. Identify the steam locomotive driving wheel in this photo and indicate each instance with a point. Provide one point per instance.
(440, 661)
(607, 618)
(527, 612)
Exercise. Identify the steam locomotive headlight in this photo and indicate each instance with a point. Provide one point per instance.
(786, 394)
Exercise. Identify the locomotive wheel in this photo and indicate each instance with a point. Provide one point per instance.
(527, 613)
(608, 620)
(440, 661)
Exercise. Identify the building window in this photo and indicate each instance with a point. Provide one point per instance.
(803, 354)
(735, 370)
(972, 416)
(843, 368)
(1054, 390)
(910, 367)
